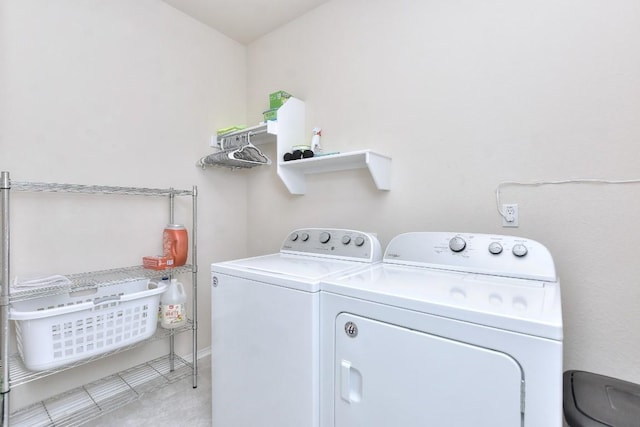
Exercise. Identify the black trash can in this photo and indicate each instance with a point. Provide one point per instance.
(592, 400)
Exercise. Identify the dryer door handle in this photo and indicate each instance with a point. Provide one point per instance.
(350, 382)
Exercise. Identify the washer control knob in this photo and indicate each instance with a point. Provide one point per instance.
(346, 240)
(495, 248)
(519, 250)
(359, 241)
(293, 237)
(325, 237)
(304, 237)
(457, 244)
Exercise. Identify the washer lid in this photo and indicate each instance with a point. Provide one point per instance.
(294, 271)
(520, 305)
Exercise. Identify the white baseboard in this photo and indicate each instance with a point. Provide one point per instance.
(205, 352)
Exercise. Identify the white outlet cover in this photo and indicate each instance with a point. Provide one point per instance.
(510, 215)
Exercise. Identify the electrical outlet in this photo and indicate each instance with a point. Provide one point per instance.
(510, 215)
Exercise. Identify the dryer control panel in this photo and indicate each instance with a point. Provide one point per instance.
(474, 253)
(334, 243)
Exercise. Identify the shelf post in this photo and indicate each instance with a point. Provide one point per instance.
(194, 284)
(172, 199)
(5, 186)
(172, 350)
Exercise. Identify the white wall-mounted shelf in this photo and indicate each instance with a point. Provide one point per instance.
(293, 172)
(291, 132)
(262, 133)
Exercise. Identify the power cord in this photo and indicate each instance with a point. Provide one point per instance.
(567, 181)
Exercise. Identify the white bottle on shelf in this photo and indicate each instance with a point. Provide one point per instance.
(173, 305)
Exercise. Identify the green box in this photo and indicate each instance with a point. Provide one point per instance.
(276, 99)
(271, 114)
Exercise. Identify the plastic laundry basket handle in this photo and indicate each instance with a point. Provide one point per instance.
(107, 299)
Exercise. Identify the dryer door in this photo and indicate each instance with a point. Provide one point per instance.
(389, 376)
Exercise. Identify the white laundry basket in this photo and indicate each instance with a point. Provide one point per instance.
(59, 330)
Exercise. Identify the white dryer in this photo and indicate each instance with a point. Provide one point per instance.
(265, 327)
(450, 330)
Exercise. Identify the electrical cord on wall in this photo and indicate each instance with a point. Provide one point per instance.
(567, 181)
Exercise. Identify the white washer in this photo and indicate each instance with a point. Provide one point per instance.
(265, 327)
(451, 329)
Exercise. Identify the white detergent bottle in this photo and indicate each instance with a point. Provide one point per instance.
(164, 282)
(173, 305)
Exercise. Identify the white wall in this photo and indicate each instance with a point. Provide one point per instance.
(115, 93)
(464, 95)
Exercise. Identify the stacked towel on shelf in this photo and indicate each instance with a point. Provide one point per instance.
(40, 282)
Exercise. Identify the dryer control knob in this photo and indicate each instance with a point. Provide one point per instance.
(457, 244)
(359, 241)
(346, 240)
(519, 250)
(495, 248)
(293, 237)
(325, 237)
(304, 237)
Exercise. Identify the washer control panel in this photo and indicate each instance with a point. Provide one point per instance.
(458, 244)
(335, 243)
(475, 253)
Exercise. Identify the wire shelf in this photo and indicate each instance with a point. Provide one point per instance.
(96, 189)
(19, 374)
(96, 279)
(260, 134)
(81, 405)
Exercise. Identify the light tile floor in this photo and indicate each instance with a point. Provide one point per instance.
(178, 404)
